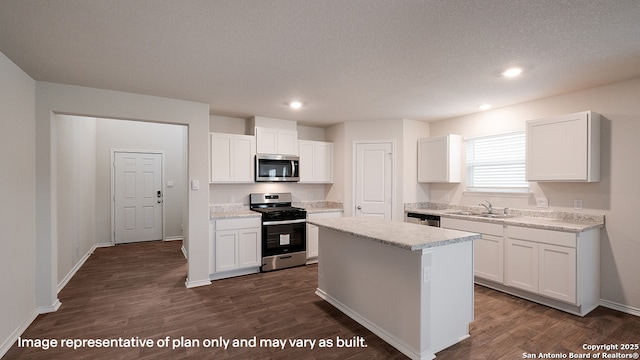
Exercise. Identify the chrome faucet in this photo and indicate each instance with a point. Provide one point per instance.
(488, 207)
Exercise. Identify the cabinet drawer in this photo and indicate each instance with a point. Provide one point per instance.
(472, 226)
(233, 224)
(542, 236)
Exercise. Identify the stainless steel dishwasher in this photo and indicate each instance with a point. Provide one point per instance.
(423, 219)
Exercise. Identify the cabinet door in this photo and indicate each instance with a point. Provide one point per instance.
(266, 141)
(432, 160)
(307, 160)
(316, 161)
(564, 148)
(226, 247)
(243, 158)
(323, 162)
(522, 264)
(488, 258)
(287, 142)
(221, 157)
(439, 159)
(249, 250)
(312, 241)
(557, 266)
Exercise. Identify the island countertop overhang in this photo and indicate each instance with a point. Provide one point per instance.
(412, 237)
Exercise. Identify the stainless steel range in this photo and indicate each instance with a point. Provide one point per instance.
(284, 231)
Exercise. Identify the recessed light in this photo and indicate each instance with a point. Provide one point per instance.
(484, 107)
(512, 72)
(295, 104)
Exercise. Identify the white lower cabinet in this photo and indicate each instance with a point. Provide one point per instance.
(555, 268)
(488, 251)
(557, 265)
(312, 234)
(557, 272)
(522, 265)
(488, 257)
(236, 245)
(542, 261)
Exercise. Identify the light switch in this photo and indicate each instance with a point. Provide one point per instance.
(195, 184)
(170, 183)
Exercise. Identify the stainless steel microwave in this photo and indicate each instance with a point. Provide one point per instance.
(277, 168)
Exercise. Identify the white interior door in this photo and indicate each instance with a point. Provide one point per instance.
(137, 185)
(374, 177)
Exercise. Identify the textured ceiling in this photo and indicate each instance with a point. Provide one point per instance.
(345, 60)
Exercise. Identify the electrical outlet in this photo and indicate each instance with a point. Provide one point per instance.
(542, 202)
(446, 197)
(232, 199)
(577, 204)
(426, 274)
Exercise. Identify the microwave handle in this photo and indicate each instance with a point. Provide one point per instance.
(293, 168)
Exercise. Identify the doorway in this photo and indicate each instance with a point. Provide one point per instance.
(138, 206)
(83, 163)
(373, 183)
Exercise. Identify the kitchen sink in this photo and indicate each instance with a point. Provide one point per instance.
(467, 213)
(495, 216)
(479, 214)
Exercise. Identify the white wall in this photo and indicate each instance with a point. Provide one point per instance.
(616, 195)
(227, 125)
(17, 208)
(65, 99)
(413, 191)
(169, 138)
(76, 191)
(404, 134)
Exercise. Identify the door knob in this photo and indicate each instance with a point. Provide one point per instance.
(359, 207)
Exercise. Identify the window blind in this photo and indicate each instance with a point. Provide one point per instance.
(497, 163)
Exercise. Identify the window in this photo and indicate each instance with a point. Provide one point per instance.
(497, 163)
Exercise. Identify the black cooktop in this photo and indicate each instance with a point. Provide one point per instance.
(276, 206)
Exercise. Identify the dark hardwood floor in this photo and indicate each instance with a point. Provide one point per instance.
(137, 291)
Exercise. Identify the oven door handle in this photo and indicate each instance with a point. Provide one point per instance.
(284, 222)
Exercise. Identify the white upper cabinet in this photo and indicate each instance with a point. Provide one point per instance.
(439, 159)
(316, 161)
(276, 141)
(231, 158)
(564, 148)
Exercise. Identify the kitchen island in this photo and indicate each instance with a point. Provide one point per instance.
(411, 285)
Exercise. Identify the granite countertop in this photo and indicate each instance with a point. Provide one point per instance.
(403, 235)
(560, 222)
(235, 211)
(315, 210)
(219, 215)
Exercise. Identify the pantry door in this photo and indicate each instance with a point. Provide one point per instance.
(138, 197)
(373, 186)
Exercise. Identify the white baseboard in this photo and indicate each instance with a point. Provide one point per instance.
(191, 284)
(49, 308)
(79, 264)
(234, 273)
(173, 238)
(619, 307)
(8, 343)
